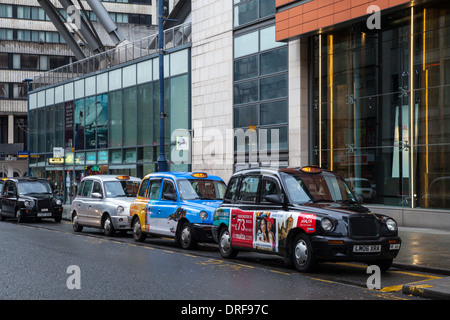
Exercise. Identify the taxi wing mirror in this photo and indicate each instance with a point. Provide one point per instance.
(275, 198)
(170, 196)
(97, 195)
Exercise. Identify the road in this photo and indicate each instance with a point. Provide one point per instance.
(47, 260)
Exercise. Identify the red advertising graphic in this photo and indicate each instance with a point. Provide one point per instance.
(307, 221)
(241, 228)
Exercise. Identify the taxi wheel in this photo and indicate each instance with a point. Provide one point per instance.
(302, 253)
(186, 239)
(19, 216)
(225, 248)
(75, 225)
(138, 235)
(108, 227)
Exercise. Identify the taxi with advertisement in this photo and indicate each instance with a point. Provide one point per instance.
(179, 205)
(305, 214)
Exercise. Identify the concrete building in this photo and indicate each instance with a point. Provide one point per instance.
(30, 45)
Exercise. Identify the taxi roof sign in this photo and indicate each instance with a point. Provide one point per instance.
(199, 175)
(311, 169)
(123, 177)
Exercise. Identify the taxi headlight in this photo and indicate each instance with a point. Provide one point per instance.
(391, 224)
(58, 202)
(203, 215)
(120, 209)
(326, 224)
(28, 203)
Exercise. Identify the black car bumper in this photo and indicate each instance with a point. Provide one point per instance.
(345, 249)
(55, 213)
(202, 233)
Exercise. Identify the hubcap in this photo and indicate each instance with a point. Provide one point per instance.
(137, 229)
(185, 235)
(225, 242)
(301, 252)
(107, 224)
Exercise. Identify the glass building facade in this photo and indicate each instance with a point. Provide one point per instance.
(380, 109)
(260, 82)
(108, 122)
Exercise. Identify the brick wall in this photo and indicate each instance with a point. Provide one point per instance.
(316, 14)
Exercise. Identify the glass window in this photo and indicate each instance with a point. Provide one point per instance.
(248, 192)
(246, 68)
(102, 82)
(154, 187)
(115, 156)
(102, 121)
(143, 188)
(274, 112)
(179, 103)
(245, 12)
(129, 75)
(231, 191)
(115, 79)
(245, 92)
(266, 7)
(144, 110)
(267, 38)
(78, 119)
(4, 60)
(144, 71)
(274, 61)
(87, 188)
(178, 62)
(130, 117)
(246, 116)
(92, 110)
(274, 87)
(115, 119)
(246, 44)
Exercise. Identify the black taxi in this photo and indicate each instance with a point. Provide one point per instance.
(29, 198)
(305, 214)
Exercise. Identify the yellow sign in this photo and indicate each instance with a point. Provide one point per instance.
(56, 161)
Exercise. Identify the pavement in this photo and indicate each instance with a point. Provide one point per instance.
(425, 250)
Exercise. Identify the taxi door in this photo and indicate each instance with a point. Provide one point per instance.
(165, 216)
(151, 212)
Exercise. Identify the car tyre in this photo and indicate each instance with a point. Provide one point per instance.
(138, 235)
(76, 226)
(186, 237)
(108, 226)
(19, 216)
(225, 248)
(303, 254)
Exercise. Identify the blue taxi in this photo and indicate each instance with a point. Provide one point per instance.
(177, 204)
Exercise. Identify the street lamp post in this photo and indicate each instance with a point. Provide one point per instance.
(162, 161)
(28, 81)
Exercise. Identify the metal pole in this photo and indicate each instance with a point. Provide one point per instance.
(162, 161)
(28, 81)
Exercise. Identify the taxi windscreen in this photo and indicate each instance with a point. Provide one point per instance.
(115, 189)
(28, 187)
(201, 189)
(324, 186)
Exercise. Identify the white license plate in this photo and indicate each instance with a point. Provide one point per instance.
(44, 214)
(44, 209)
(367, 248)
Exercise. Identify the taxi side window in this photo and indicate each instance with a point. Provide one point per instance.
(248, 192)
(97, 188)
(153, 189)
(9, 187)
(80, 189)
(87, 188)
(269, 186)
(143, 188)
(232, 190)
(168, 188)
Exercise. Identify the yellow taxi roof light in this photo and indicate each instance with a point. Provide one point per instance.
(123, 177)
(311, 169)
(199, 175)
